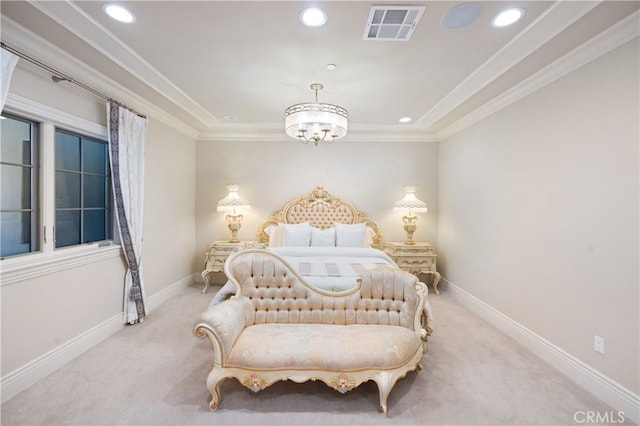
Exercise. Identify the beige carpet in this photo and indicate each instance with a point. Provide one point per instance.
(154, 374)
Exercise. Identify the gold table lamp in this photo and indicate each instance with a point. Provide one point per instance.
(410, 205)
(237, 205)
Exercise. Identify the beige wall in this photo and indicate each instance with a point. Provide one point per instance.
(42, 313)
(39, 314)
(370, 175)
(170, 207)
(539, 212)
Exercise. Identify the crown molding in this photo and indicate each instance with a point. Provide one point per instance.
(551, 22)
(274, 132)
(608, 40)
(74, 19)
(37, 47)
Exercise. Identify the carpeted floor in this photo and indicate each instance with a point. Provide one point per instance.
(155, 373)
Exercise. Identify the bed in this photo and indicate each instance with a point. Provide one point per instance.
(326, 239)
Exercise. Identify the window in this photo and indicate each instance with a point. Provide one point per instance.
(83, 212)
(55, 192)
(55, 187)
(19, 196)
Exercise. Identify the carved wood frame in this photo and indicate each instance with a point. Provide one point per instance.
(332, 205)
(341, 380)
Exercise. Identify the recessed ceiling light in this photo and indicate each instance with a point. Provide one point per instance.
(507, 17)
(119, 13)
(461, 16)
(405, 120)
(313, 17)
(331, 66)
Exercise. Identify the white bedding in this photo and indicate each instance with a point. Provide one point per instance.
(327, 268)
(333, 268)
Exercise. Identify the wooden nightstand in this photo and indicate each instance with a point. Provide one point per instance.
(419, 258)
(217, 255)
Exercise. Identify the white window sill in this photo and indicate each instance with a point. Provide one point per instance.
(22, 268)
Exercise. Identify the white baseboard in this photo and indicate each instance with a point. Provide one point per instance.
(30, 373)
(163, 295)
(604, 388)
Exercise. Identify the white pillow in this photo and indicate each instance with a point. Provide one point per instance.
(323, 237)
(275, 235)
(296, 235)
(350, 235)
(368, 239)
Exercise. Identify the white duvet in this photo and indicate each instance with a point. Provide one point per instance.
(333, 268)
(328, 268)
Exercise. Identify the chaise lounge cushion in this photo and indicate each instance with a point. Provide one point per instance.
(279, 327)
(324, 347)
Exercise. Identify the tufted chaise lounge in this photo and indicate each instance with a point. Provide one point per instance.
(278, 327)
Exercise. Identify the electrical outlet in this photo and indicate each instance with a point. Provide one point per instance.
(598, 344)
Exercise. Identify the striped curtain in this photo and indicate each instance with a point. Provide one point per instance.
(127, 134)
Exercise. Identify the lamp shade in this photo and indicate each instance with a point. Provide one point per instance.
(315, 121)
(233, 201)
(410, 202)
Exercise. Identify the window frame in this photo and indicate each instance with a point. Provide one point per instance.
(82, 173)
(34, 182)
(50, 259)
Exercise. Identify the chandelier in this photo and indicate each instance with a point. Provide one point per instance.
(315, 122)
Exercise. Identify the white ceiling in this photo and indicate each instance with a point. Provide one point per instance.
(203, 60)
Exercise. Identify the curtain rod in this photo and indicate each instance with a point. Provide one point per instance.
(60, 76)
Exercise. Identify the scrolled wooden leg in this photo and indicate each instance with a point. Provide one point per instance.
(205, 278)
(213, 381)
(215, 399)
(385, 382)
(436, 280)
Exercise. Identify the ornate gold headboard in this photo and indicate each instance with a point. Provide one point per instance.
(321, 209)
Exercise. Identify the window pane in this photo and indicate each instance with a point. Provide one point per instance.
(16, 187)
(95, 191)
(82, 190)
(67, 228)
(67, 190)
(19, 219)
(94, 225)
(16, 233)
(67, 151)
(16, 141)
(94, 155)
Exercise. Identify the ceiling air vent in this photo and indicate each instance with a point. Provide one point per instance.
(392, 22)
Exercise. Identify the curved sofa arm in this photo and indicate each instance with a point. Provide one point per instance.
(222, 323)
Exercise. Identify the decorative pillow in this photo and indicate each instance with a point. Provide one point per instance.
(368, 237)
(296, 235)
(323, 237)
(275, 235)
(350, 235)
